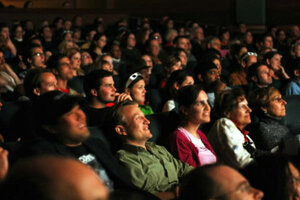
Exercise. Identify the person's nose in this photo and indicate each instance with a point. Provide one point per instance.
(257, 194)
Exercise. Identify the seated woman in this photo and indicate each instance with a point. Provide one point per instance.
(228, 136)
(188, 143)
(177, 80)
(269, 107)
(135, 87)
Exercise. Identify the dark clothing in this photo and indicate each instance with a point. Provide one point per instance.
(268, 133)
(96, 147)
(95, 116)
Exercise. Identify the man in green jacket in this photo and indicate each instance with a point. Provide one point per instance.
(152, 167)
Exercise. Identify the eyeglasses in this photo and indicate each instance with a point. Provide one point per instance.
(244, 187)
(248, 54)
(132, 78)
(38, 54)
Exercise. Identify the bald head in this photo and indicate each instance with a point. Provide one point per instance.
(50, 177)
(217, 181)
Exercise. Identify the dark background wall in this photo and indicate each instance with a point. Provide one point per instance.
(225, 12)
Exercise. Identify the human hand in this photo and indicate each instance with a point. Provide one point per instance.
(3, 163)
(122, 97)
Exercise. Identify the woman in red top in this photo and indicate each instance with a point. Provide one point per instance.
(190, 144)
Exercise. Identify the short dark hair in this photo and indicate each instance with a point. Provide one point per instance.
(53, 62)
(33, 80)
(93, 80)
(198, 184)
(180, 37)
(177, 76)
(253, 70)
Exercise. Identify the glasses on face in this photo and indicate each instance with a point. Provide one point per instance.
(86, 56)
(245, 187)
(38, 54)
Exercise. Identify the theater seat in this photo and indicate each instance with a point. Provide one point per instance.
(292, 118)
(162, 125)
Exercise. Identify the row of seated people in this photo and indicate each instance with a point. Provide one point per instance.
(62, 130)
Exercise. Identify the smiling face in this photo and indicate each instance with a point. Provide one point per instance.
(240, 114)
(199, 112)
(71, 128)
(137, 125)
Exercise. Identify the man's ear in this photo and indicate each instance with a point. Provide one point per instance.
(55, 72)
(264, 109)
(199, 76)
(121, 130)
(227, 114)
(29, 60)
(37, 91)
(94, 92)
(296, 73)
(176, 86)
(254, 79)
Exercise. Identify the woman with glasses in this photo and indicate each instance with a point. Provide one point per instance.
(135, 87)
(189, 144)
(268, 109)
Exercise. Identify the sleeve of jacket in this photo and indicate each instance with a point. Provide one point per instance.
(182, 149)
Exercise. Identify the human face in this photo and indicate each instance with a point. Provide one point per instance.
(240, 114)
(4, 33)
(107, 92)
(176, 67)
(138, 92)
(183, 43)
(234, 186)
(37, 58)
(137, 125)
(249, 38)
(76, 61)
(250, 60)
(297, 50)
(212, 76)
(86, 59)
(19, 32)
(47, 33)
(101, 42)
(217, 62)
(71, 128)
(147, 60)
(157, 36)
(116, 51)
(216, 44)
(189, 80)
(154, 48)
(264, 77)
(131, 41)
(199, 112)
(276, 106)
(48, 83)
(275, 62)
(268, 42)
(183, 57)
(109, 59)
(65, 70)
(199, 34)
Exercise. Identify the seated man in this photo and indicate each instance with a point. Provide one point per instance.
(152, 167)
(100, 95)
(217, 182)
(50, 178)
(62, 130)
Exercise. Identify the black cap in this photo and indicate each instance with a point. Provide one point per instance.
(52, 105)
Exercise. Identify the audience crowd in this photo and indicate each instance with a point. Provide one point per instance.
(147, 109)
